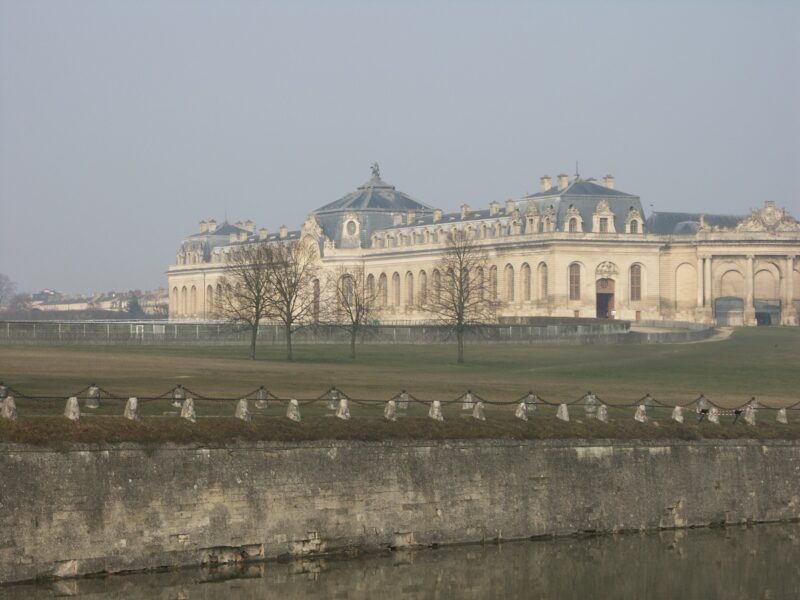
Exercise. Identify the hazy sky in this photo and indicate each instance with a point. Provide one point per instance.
(123, 124)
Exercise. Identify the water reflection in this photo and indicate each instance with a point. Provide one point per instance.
(748, 563)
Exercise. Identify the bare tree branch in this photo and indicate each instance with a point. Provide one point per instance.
(354, 301)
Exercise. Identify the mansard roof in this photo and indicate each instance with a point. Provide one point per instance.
(225, 229)
(680, 223)
(582, 187)
(375, 195)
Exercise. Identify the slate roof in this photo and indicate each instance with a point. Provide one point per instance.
(225, 229)
(376, 195)
(582, 187)
(680, 223)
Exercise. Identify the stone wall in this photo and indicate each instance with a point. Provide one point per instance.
(83, 510)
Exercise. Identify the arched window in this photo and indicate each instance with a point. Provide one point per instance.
(423, 288)
(396, 289)
(370, 288)
(479, 284)
(347, 289)
(209, 299)
(173, 305)
(542, 281)
(409, 289)
(526, 282)
(184, 301)
(636, 278)
(493, 283)
(574, 281)
(437, 285)
(194, 300)
(634, 226)
(509, 283)
(573, 225)
(383, 290)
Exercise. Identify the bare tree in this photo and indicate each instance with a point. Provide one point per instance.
(354, 304)
(7, 288)
(462, 296)
(293, 289)
(243, 290)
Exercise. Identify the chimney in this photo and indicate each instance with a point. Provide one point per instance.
(437, 215)
(412, 215)
(608, 181)
(494, 208)
(263, 234)
(563, 182)
(545, 183)
(212, 226)
(203, 226)
(250, 226)
(397, 219)
(283, 232)
(509, 206)
(233, 236)
(464, 210)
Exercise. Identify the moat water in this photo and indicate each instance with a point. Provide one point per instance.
(747, 563)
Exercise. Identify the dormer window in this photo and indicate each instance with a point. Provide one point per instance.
(603, 224)
(634, 226)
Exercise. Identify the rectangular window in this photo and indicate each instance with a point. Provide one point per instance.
(574, 282)
(603, 224)
(636, 283)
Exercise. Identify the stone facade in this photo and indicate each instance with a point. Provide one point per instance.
(580, 248)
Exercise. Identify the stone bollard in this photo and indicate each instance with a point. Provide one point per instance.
(781, 418)
(677, 414)
(187, 410)
(602, 413)
(178, 396)
(261, 398)
(343, 411)
(590, 405)
(531, 400)
(468, 403)
(92, 397)
(702, 404)
(293, 411)
(403, 400)
(641, 413)
(9, 409)
(522, 411)
(242, 410)
(713, 415)
(435, 411)
(333, 399)
(562, 412)
(390, 412)
(131, 409)
(72, 411)
(477, 412)
(3, 390)
(750, 414)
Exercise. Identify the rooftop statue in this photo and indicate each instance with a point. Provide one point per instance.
(376, 171)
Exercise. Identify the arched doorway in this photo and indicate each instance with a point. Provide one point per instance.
(605, 298)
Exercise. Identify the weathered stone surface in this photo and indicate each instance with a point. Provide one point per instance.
(468, 402)
(781, 418)
(262, 400)
(293, 410)
(522, 411)
(242, 410)
(713, 415)
(126, 507)
(602, 413)
(478, 411)
(131, 409)
(749, 415)
(641, 413)
(9, 409)
(390, 412)
(187, 410)
(435, 411)
(562, 412)
(677, 414)
(72, 411)
(590, 405)
(403, 400)
(92, 397)
(343, 410)
(178, 396)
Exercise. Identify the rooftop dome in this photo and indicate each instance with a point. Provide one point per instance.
(375, 195)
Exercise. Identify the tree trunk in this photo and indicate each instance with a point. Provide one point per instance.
(289, 355)
(253, 336)
(460, 338)
(353, 334)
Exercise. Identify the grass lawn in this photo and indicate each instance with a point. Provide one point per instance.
(761, 362)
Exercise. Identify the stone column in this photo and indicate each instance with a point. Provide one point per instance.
(788, 310)
(749, 309)
(700, 279)
(707, 284)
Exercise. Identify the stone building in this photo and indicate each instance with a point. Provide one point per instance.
(578, 247)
